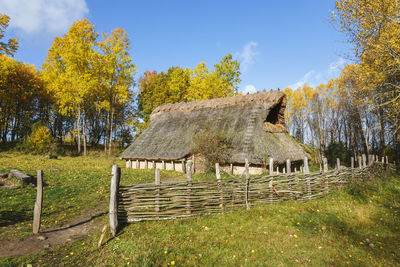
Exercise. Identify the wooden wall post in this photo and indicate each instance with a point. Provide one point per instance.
(352, 162)
(383, 160)
(247, 182)
(183, 165)
(364, 159)
(163, 165)
(137, 164)
(37, 213)
(157, 182)
(338, 163)
(360, 162)
(306, 169)
(146, 164)
(277, 170)
(173, 165)
(219, 182)
(387, 160)
(325, 160)
(271, 166)
(189, 185)
(153, 165)
(116, 175)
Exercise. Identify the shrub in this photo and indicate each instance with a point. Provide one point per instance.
(213, 147)
(390, 153)
(337, 150)
(41, 140)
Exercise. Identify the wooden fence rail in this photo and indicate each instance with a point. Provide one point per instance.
(162, 201)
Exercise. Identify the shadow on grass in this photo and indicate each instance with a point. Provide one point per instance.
(8, 217)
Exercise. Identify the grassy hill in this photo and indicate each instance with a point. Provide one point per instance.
(358, 225)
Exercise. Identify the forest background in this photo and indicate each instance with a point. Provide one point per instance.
(85, 93)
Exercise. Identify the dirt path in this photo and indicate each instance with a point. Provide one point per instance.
(50, 239)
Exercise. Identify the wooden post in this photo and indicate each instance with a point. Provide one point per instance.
(271, 166)
(387, 160)
(271, 189)
(352, 162)
(194, 164)
(217, 173)
(277, 170)
(116, 175)
(283, 170)
(359, 162)
(325, 160)
(364, 158)
(306, 169)
(338, 163)
(157, 182)
(153, 165)
(146, 164)
(383, 160)
(37, 213)
(130, 164)
(295, 170)
(320, 167)
(231, 170)
(173, 165)
(183, 165)
(221, 196)
(137, 164)
(163, 165)
(247, 182)
(189, 185)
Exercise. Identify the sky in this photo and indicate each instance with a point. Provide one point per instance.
(278, 43)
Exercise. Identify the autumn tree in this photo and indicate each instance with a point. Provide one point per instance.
(116, 77)
(69, 73)
(11, 46)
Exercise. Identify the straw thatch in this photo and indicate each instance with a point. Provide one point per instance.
(253, 122)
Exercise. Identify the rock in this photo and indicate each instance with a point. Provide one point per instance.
(51, 157)
(24, 178)
(42, 237)
(3, 175)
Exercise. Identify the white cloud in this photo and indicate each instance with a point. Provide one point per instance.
(314, 78)
(247, 55)
(249, 89)
(53, 16)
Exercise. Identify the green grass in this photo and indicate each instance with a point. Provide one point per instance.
(358, 225)
(74, 185)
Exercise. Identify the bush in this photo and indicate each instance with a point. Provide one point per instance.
(337, 150)
(213, 147)
(390, 153)
(41, 140)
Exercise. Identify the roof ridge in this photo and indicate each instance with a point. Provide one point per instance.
(216, 103)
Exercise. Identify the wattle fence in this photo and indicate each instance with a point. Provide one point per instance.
(162, 201)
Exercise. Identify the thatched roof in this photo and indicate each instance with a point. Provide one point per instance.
(253, 122)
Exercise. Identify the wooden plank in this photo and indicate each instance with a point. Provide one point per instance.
(247, 182)
(271, 166)
(37, 213)
(115, 178)
(288, 166)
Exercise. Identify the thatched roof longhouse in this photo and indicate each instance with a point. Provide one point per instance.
(253, 122)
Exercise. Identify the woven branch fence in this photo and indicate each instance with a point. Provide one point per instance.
(162, 201)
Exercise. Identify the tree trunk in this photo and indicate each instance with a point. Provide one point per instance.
(78, 125)
(111, 130)
(398, 151)
(84, 133)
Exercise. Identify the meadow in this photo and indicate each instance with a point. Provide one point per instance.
(358, 225)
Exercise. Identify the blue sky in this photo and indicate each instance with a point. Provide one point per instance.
(279, 43)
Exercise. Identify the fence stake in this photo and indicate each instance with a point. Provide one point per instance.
(338, 163)
(37, 213)
(383, 160)
(325, 160)
(271, 166)
(116, 174)
(277, 169)
(283, 170)
(231, 170)
(387, 160)
(306, 169)
(364, 159)
(221, 196)
(157, 182)
(247, 182)
(189, 185)
(352, 162)
(271, 190)
(359, 162)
